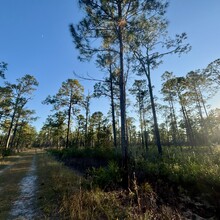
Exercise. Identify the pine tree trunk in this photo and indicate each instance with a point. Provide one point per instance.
(14, 134)
(145, 135)
(140, 119)
(156, 129)
(68, 125)
(175, 130)
(113, 110)
(87, 118)
(124, 144)
(11, 125)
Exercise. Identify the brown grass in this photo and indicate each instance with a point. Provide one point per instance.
(8, 161)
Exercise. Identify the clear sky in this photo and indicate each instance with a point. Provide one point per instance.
(35, 39)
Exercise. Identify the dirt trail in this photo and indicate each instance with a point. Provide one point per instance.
(24, 206)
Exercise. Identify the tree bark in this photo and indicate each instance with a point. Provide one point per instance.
(124, 143)
(11, 124)
(140, 118)
(113, 109)
(87, 118)
(156, 129)
(175, 130)
(145, 135)
(68, 123)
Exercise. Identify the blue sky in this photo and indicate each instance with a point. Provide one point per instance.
(35, 39)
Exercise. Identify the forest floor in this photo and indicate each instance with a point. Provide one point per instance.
(35, 186)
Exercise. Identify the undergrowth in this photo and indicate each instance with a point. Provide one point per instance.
(193, 172)
(109, 177)
(97, 153)
(64, 195)
(197, 167)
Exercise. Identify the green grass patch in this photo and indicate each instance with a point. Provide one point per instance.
(197, 169)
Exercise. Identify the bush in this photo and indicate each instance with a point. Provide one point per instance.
(106, 177)
(96, 153)
(56, 153)
(6, 152)
(196, 170)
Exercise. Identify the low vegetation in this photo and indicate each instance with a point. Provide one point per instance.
(76, 197)
(184, 182)
(195, 170)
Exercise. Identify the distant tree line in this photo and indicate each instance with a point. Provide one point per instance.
(185, 117)
(16, 131)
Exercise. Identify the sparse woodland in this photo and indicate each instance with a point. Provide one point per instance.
(148, 158)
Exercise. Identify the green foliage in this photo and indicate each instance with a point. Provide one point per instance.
(57, 153)
(3, 68)
(106, 177)
(96, 153)
(192, 172)
(68, 199)
(195, 169)
(15, 113)
(146, 188)
(6, 152)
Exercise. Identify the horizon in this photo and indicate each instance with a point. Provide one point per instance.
(35, 39)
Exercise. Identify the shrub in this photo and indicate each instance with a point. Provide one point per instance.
(106, 177)
(97, 153)
(6, 152)
(56, 153)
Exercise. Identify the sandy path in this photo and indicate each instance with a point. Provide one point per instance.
(24, 207)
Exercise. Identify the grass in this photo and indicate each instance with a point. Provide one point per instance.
(195, 169)
(53, 181)
(64, 195)
(198, 167)
(181, 172)
(156, 185)
(8, 161)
